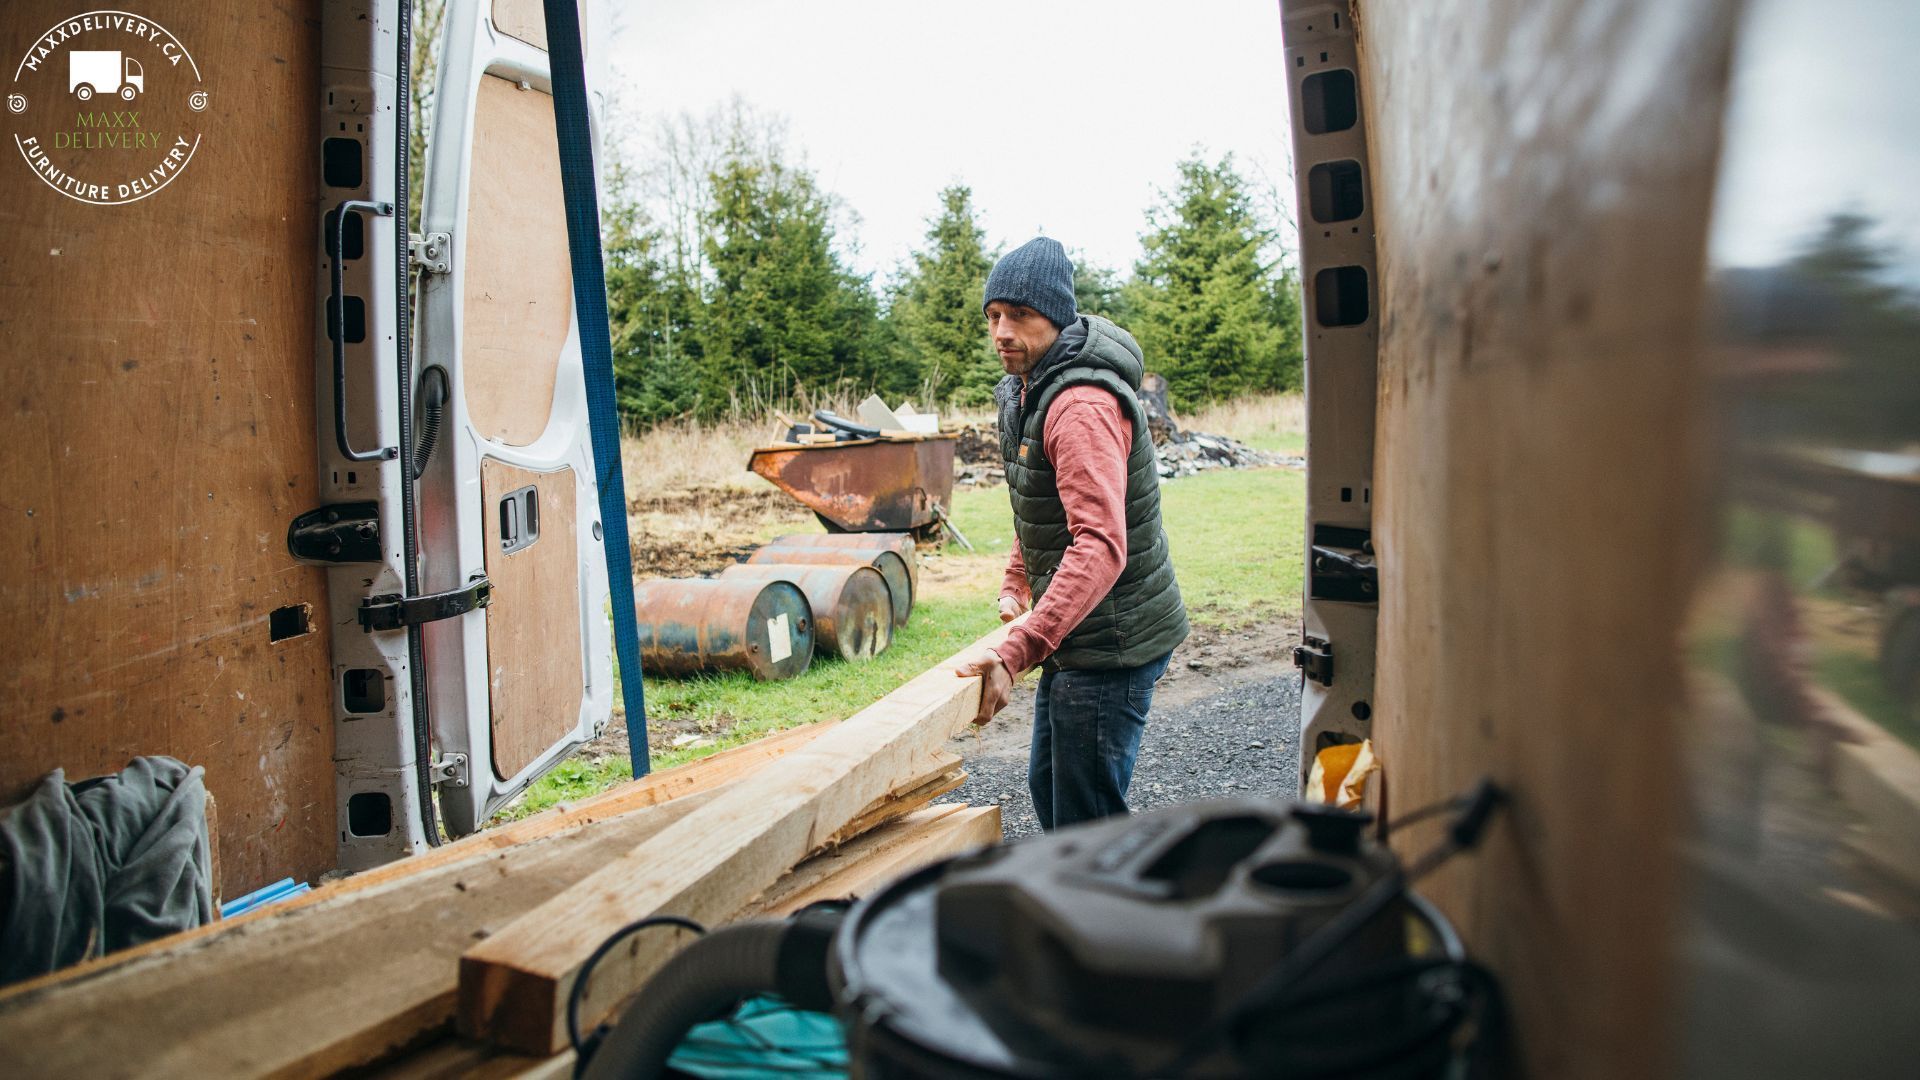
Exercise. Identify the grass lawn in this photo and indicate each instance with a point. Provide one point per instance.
(1236, 538)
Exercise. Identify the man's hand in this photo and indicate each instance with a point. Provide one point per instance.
(1011, 608)
(996, 683)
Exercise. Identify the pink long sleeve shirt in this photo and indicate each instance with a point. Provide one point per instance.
(1087, 437)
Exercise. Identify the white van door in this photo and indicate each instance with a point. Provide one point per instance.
(509, 491)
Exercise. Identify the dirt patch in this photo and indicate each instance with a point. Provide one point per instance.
(700, 530)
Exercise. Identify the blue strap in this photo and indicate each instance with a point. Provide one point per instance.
(577, 179)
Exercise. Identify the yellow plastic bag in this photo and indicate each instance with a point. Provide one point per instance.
(1339, 775)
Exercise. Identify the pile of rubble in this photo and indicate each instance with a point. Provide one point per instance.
(976, 456)
(1181, 453)
(1185, 453)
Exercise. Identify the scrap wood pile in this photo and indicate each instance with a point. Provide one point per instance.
(464, 957)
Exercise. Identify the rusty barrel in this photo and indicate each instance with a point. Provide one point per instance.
(899, 543)
(852, 606)
(892, 567)
(690, 625)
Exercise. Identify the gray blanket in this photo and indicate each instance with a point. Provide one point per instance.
(103, 864)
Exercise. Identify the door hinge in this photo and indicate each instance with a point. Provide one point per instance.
(1342, 566)
(1314, 658)
(392, 611)
(341, 533)
(431, 253)
(450, 770)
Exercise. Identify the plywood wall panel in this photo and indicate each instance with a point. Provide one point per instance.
(1542, 174)
(156, 436)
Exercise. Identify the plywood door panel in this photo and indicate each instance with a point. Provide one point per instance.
(518, 296)
(155, 440)
(534, 674)
(523, 19)
(1542, 177)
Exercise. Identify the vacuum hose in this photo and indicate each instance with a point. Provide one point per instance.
(433, 405)
(700, 983)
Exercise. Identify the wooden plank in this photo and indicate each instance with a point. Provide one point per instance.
(705, 774)
(536, 673)
(1878, 776)
(514, 985)
(159, 437)
(311, 989)
(1535, 476)
(886, 854)
(517, 300)
(942, 779)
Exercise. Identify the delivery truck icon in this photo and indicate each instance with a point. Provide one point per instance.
(104, 71)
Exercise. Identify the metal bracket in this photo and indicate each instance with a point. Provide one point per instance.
(394, 612)
(450, 770)
(1314, 658)
(1342, 566)
(432, 253)
(341, 533)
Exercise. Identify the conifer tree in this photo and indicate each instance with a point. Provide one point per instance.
(1212, 309)
(935, 316)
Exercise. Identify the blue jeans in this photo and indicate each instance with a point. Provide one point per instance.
(1086, 736)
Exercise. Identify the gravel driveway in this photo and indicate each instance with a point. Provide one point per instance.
(1225, 721)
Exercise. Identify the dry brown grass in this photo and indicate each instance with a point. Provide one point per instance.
(1275, 422)
(688, 455)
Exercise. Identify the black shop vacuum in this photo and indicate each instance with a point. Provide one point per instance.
(1225, 939)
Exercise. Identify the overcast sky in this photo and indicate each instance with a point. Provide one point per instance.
(1807, 137)
(1062, 115)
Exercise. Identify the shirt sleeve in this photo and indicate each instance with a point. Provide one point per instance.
(1014, 582)
(1087, 438)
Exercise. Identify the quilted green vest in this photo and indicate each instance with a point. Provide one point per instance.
(1142, 617)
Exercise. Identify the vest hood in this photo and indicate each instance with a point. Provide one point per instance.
(1102, 344)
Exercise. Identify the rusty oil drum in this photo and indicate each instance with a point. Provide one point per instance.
(897, 571)
(691, 625)
(852, 606)
(899, 543)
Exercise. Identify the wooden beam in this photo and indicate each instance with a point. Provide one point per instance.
(514, 985)
(312, 990)
(366, 967)
(695, 776)
(945, 776)
(882, 856)
(888, 853)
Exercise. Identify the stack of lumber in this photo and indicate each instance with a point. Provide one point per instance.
(486, 935)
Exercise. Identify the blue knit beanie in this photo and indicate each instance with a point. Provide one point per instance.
(1037, 275)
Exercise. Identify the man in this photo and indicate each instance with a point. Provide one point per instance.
(1091, 558)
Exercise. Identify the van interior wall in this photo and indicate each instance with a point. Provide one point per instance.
(158, 438)
(1543, 172)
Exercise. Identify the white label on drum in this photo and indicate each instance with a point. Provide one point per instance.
(779, 638)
